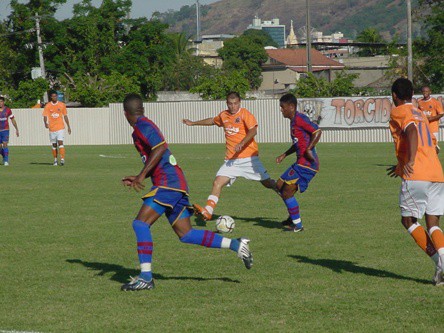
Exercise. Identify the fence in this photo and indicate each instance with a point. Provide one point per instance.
(342, 120)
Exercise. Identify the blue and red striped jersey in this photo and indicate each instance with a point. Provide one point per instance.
(301, 129)
(167, 173)
(4, 115)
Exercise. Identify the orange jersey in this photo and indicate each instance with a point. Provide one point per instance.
(431, 107)
(236, 127)
(427, 166)
(55, 114)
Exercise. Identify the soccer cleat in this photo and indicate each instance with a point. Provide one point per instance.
(62, 162)
(137, 283)
(438, 278)
(55, 163)
(294, 228)
(244, 252)
(6, 163)
(287, 222)
(199, 211)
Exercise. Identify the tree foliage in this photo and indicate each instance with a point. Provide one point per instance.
(246, 54)
(370, 35)
(312, 86)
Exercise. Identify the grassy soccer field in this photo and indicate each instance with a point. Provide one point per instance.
(67, 245)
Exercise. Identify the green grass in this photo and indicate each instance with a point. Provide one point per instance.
(67, 244)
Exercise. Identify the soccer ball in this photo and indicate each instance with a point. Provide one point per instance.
(225, 224)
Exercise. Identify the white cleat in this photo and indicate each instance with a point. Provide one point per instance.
(438, 278)
(55, 163)
(6, 163)
(62, 162)
(244, 252)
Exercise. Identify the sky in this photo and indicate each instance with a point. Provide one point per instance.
(141, 8)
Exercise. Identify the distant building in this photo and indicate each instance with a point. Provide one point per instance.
(285, 66)
(292, 40)
(273, 28)
(207, 47)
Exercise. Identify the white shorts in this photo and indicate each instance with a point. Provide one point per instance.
(419, 197)
(249, 168)
(57, 136)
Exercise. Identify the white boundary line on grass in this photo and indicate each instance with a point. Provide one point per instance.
(110, 156)
(4, 331)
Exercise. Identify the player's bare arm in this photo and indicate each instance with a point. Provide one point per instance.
(203, 122)
(313, 141)
(281, 157)
(250, 135)
(45, 121)
(435, 118)
(412, 139)
(150, 164)
(14, 123)
(67, 124)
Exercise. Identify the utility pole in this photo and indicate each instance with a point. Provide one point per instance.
(409, 41)
(197, 21)
(308, 43)
(40, 48)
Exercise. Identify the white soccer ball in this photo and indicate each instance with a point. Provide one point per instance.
(225, 224)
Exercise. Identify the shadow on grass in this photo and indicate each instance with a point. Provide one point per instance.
(40, 163)
(122, 274)
(340, 266)
(261, 221)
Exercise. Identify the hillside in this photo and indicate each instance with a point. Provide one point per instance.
(347, 16)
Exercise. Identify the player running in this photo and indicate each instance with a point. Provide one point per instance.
(422, 187)
(5, 115)
(241, 154)
(169, 196)
(433, 110)
(305, 134)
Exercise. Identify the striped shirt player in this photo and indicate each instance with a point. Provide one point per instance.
(433, 110)
(241, 153)
(168, 195)
(305, 134)
(6, 115)
(422, 186)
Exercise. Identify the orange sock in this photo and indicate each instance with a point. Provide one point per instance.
(422, 239)
(211, 204)
(54, 152)
(437, 239)
(62, 151)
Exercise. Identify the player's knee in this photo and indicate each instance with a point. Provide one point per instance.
(407, 221)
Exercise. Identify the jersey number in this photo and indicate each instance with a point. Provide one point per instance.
(424, 134)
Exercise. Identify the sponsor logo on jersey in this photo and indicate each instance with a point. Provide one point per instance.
(232, 130)
(55, 115)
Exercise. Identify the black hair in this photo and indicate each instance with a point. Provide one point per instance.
(2, 98)
(232, 95)
(133, 104)
(403, 88)
(289, 99)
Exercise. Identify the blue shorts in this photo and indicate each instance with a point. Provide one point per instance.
(174, 204)
(4, 136)
(298, 175)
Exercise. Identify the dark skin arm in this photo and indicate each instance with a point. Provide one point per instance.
(136, 182)
(308, 153)
(412, 138)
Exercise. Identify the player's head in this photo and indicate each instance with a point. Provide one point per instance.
(426, 92)
(288, 104)
(133, 107)
(53, 97)
(233, 101)
(2, 100)
(402, 91)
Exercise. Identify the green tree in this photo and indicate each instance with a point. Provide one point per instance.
(27, 93)
(261, 37)
(370, 35)
(312, 86)
(246, 54)
(429, 50)
(220, 83)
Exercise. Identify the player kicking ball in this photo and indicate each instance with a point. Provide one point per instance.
(168, 195)
(305, 134)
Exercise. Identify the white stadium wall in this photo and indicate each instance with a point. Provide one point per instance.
(344, 119)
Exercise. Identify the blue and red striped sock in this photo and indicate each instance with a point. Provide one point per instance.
(6, 154)
(293, 209)
(207, 238)
(144, 248)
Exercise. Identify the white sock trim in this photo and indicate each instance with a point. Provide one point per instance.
(145, 267)
(209, 209)
(226, 242)
(213, 198)
(297, 221)
(433, 229)
(413, 227)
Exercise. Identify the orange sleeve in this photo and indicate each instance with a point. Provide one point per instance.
(249, 120)
(45, 112)
(439, 108)
(218, 120)
(402, 117)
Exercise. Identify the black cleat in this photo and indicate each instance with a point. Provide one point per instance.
(137, 283)
(287, 222)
